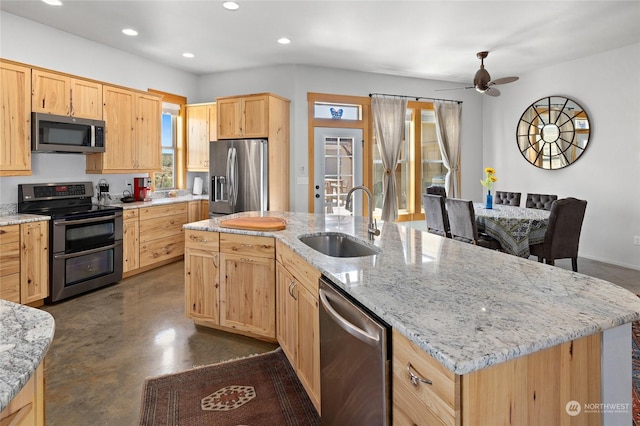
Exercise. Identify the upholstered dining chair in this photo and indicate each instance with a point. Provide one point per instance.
(462, 220)
(507, 198)
(540, 201)
(436, 215)
(437, 190)
(562, 237)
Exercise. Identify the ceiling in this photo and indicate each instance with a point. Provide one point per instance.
(426, 39)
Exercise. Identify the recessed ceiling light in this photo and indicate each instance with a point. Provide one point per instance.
(284, 40)
(130, 32)
(53, 2)
(230, 5)
(188, 55)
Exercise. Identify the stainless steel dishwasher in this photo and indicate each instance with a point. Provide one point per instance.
(354, 362)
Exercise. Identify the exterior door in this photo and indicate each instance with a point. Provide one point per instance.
(338, 160)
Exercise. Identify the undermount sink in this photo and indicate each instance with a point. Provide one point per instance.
(338, 245)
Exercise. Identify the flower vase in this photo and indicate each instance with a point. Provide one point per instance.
(489, 201)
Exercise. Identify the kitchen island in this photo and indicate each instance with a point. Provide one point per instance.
(467, 307)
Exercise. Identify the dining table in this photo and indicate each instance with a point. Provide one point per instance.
(516, 228)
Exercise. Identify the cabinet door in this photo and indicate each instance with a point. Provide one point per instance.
(202, 284)
(51, 93)
(130, 245)
(198, 138)
(15, 120)
(86, 99)
(34, 261)
(118, 113)
(255, 110)
(229, 118)
(10, 263)
(147, 132)
(308, 367)
(247, 294)
(287, 314)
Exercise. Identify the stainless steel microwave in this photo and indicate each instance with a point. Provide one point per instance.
(59, 133)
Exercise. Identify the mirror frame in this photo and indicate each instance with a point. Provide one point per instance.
(553, 132)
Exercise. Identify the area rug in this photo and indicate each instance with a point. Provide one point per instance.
(257, 390)
(635, 363)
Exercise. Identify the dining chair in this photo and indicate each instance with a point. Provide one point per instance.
(562, 237)
(436, 215)
(462, 221)
(507, 198)
(437, 190)
(540, 201)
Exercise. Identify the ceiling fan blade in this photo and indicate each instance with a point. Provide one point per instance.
(453, 88)
(503, 80)
(492, 91)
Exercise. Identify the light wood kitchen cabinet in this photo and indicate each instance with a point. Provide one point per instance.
(201, 129)
(202, 277)
(61, 94)
(298, 318)
(130, 241)
(34, 262)
(198, 210)
(247, 284)
(531, 389)
(132, 129)
(27, 407)
(263, 115)
(15, 121)
(161, 233)
(10, 263)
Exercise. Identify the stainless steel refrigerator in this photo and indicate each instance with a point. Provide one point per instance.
(239, 176)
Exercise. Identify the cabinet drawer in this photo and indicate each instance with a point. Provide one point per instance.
(203, 240)
(130, 214)
(440, 399)
(166, 210)
(248, 245)
(9, 235)
(161, 227)
(306, 274)
(161, 249)
(10, 287)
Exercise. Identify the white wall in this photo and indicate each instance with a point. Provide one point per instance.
(607, 175)
(35, 44)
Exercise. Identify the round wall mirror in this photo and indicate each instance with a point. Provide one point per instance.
(553, 132)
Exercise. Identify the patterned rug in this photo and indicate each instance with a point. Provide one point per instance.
(635, 360)
(257, 390)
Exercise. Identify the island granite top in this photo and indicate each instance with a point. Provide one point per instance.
(25, 336)
(467, 306)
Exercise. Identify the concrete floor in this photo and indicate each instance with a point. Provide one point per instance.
(108, 341)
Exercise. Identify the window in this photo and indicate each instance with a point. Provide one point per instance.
(166, 179)
(419, 166)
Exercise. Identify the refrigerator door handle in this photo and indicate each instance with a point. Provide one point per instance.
(234, 177)
(229, 177)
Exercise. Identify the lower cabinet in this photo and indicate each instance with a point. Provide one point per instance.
(10, 263)
(230, 282)
(198, 210)
(298, 318)
(130, 241)
(161, 234)
(27, 407)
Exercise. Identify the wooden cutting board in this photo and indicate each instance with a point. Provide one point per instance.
(255, 223)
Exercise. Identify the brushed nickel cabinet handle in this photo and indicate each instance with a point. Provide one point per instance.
(415, 378)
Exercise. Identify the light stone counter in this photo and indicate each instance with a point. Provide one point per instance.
(160, 201)
(466, 306)
(18, 218)
(25, 336)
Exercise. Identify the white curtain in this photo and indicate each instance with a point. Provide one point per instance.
(448, 118)
(388, 125)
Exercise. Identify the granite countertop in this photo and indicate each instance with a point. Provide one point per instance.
(467, 306)
(18, 218)
(25, 336)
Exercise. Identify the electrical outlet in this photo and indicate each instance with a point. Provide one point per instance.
(636, 240)
(127, 182)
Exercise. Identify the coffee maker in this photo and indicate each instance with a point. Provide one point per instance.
(140, 188)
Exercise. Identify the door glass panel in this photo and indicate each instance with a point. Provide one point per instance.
(337, 111)
(81, 237)
(81, 268)
(338, 173)
(433, 170)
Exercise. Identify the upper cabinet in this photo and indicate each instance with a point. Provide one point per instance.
(243, 117)
(61, 94)
(201, 129)
(15, 120)
(132, 132)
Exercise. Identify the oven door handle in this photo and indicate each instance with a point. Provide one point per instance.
(89, 220)
(86, 252)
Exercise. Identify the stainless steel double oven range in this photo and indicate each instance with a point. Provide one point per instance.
(85, 240)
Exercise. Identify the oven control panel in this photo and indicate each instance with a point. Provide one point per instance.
(58, 191)
(52, 191)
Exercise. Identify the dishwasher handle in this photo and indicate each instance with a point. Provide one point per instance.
(356, 332)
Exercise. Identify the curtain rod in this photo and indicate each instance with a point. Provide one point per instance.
(417, 98)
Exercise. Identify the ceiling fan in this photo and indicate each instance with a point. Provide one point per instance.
(482, 80)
